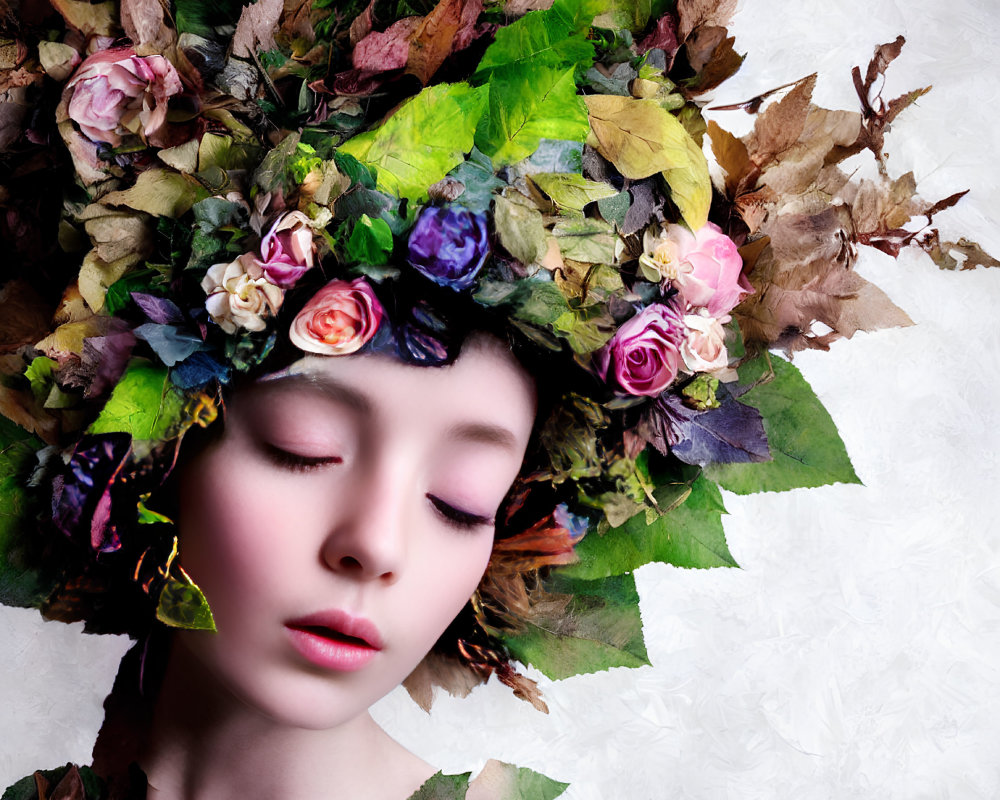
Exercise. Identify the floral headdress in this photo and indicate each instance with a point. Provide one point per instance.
(238, 185)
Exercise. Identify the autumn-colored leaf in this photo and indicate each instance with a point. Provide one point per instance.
(91, 19)
(380, 51)
(158, 192)
(712, 57)
(438, 36)
(781, 124)
(144, 24)
(971, 255)
(256, 27)
(692, 14)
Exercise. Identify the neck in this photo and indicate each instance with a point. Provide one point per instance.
(207, 743)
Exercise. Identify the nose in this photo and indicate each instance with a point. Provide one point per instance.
(366, 539)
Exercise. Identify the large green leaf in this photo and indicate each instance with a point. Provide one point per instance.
(555, 37)
(599, 629)
(144, 404)
(19, 584)
(428, 136)
(570, 190)
(443, 787)
(805, 446)
(502, 781)
(689, 536)
(526, 105)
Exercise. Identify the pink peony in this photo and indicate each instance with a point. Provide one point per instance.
(704, 349)
(705, 267)
(339, 319)
(286, 252)
(115, 93)
(643, 354)
(239, 295)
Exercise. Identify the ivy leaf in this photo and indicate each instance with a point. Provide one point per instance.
(183, 605)
(689, 536)
(527, 105)
(508, 782)
(807, 450)
(19, 584)
(370, 241)
(427, 137)
(143, 404)
(571, 191)
(550, 38)
(159, 192)
(598, 628)
(443, 787)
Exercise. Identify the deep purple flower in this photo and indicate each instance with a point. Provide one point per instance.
(449, 245)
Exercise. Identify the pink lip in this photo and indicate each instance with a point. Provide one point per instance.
(335, 640)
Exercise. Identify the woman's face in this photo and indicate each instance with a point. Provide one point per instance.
(342, 521)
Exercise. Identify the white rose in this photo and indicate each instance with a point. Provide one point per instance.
(704, 349)
(239, 295)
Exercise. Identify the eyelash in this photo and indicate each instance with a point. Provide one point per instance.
(462, 520)
(296, 462)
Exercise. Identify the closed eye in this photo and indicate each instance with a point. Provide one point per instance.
(296, 462)
(456, 516)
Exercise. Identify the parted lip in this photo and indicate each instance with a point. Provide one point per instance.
(337, 624)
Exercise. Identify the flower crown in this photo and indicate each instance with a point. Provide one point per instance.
(341, 178)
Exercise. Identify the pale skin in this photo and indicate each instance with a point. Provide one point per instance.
(354, 488)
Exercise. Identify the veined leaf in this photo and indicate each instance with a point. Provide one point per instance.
(508, 782)
(527, 105)
(571, 190)
(427, 137)
(159, 192)
(690, 535)
(520, 228)
(443, 787)
(183, 605)
(599, 629)
(806, 448)
(554, 37)
(143, 404)
(640, 138)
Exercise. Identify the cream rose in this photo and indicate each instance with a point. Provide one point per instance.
(239, 295)
(704, 348)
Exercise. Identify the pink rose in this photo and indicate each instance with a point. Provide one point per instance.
(339, 319)
(705, 267)
(286, 252)
(115, 93)
(239, 295)
(704, 349)
(643, 353)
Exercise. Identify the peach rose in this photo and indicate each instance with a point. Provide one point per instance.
(339, 319)
(239, 295)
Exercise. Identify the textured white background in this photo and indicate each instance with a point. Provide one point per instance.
(857, 652)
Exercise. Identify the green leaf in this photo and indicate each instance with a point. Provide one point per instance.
(144, 404)
(572, 191)
(40, 375)
(443, 787)
(555, 37)
(183, 605)
(585, 329)
(691, 187)
(805, 446)
(690, 535)
(202, 17)
(370, 241)
(20, 585)
(527, 105)
(632, 14)
(508, 782)
(589, 241)
(520, 228)
(427, 137)
(480, 182)
(614, 209)
(600, 628)
(142, 280)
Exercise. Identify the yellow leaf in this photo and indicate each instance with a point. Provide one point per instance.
(91, 19)
(96, 276)
(157, 192)
(641, 138)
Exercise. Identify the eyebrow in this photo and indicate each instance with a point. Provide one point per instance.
(484, 433)
(324, 384)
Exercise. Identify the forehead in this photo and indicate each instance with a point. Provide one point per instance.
(485, 384)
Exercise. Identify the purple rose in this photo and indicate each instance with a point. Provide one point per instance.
(449, 246)
(644, 353)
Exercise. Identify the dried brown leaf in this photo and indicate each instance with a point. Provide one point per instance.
(24, 316)
(381, 51)
(362, 24)
(712, 57)
(731, 154)
(440, 670)
(781, 124)
(256, 27)
(970, 255)
(692, 14)
(434, 39)
(91, 19)
(144, 24)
